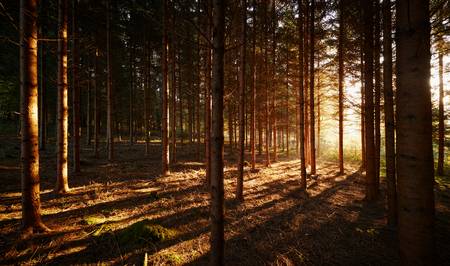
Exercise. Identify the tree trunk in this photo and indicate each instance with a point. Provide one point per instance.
(88, 101)
(266, 81)
(301, 98)
(109, 122)
(389, 114)
(62, 185)
(208, 99)
(415, 165)
(76, 89)
(253, 96)
(341, 86)
(242, 85)
(371, 185)
(311, 92)
(377, 92)
(31, 205)
(165, 96)
(131, 94)
(440, 167)
(217, 190)
(42, 87)
(96, 104)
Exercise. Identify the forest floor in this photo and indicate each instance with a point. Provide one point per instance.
(275, 225)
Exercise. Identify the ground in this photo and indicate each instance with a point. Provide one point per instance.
(275, 225)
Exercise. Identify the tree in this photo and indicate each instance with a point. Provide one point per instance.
(371, 185)
(165, 96)
(62, 185)
(76, 89)
(31, 204)
(389, 114)
(377, 92)
(441, 130)
(312, 145)
(415, 166)
(242, 87)
(341, 86)
(301, 97)
(109, 97)
(253, 96)
(217, 190)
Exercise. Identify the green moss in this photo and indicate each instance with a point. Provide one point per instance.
(145, 231)
(173, 258)
(94, 219)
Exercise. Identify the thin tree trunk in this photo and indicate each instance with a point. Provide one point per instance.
(62, 185)
(242, 85)
(440, 167)
(165, 96)
(415, 165)
(31, 205)
(109, 121)
(88, 102)
(266, 73)
(76, 89)
(311, 92)
(377, 92)
(341, 86)
(217, 190)
(173, 119)
(131, 93)
(389, 114)
(301, 53)
(42, 88)
(253, 99)
(208, 99)
(371, 185)
(363, 116)
(96, 104)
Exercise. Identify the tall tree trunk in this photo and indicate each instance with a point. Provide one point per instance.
(208, 98)
(377, 92)
(76, 89)
(147, 64)
(266, 84)
(440, 167)
(165, 96)
(43, 83)
(173, 111)
(301, 53)
(341, 86)
(217, 190)
(319, 101)
(88, 101)
(242, 85)
(62, 185)
(371, 185)
(311, 92)
(273, 112)
(31, 205)
(415, 165)
(131, 93)
(287, 105)
(109, 97)
(389, 114)
(96, 104)
(363, 108)
(253, 96)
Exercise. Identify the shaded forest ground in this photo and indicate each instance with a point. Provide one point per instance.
(276, 225)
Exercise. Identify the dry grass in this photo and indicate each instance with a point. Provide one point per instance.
(275, 225)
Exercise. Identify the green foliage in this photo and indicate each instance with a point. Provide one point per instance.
(145, 231)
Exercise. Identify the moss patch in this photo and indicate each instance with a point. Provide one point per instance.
(145, 231)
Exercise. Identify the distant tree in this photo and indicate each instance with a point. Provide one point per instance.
(242, 97)
(165, 95)
(109, 90)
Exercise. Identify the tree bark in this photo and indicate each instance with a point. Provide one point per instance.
(242, 87)
(253, 96)
(62, 185)
(96, 104)
(301, 97)
(441, 134)
(109, 97)
(31, 205)
(371, 185)
(311, 92)
(208, 99)
(377, 92)
(165, 96)
(43, 83)
(415, 165)
(341, 86)
(76, 89)
(389, 114)
(217, 189)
